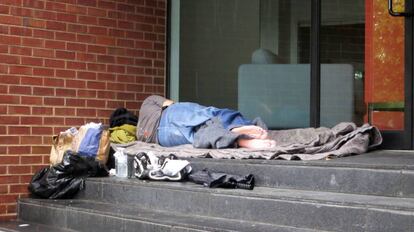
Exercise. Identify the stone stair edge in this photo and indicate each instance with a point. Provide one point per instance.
(26, 226)
(300, 163)
(361, 161)
(177, 220)
(270, 193)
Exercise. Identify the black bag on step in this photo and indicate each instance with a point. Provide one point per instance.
(65, 179)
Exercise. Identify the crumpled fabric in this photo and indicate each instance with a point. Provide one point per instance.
(65, 179)
(342, 140)
(222, 180)
(123, 134)
(212, 134)
(122, 116)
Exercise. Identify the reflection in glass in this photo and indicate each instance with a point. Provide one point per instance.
(248, 55)
(342, 45)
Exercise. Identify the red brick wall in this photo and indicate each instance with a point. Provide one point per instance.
(67, 62)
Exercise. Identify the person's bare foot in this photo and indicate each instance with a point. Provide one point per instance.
(252, 131)
(257, 143)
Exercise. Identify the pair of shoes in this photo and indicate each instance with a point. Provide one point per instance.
(148, 166)
(141, 163)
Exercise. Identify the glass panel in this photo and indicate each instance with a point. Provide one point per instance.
(248, 55)
(362, 70)
(342, 42)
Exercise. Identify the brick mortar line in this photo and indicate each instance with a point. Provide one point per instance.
(80, 89)
(70, 78)
(79, 33)
(76, 51)
(91, 7)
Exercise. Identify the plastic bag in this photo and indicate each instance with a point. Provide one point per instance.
(91, 140)
(62, 142)
(48, 184)
(65, 179)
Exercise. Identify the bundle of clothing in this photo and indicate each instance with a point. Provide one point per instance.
(123, 126)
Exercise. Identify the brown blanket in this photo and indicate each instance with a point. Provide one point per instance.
(343, 139)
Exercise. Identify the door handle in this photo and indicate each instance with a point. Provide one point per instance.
(397, 14)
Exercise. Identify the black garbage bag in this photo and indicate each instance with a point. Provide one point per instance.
(64, 180)
(222, 180)
(48, 184)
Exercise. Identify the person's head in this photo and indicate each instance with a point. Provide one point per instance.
(264, 56)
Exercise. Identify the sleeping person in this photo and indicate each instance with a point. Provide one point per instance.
(171, 124)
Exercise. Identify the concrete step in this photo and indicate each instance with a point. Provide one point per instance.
(370, 192)
(382, 173)
(91, 216)
(304, 209)
(25, 226)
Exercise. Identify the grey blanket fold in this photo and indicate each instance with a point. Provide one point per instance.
(341, 140)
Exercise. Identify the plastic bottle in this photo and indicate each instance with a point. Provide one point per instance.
(121, 165)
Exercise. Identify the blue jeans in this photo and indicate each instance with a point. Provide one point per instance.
(179, 122)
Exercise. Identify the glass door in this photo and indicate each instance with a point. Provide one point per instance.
(369, 53)
(258, 56)
(244, 54)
